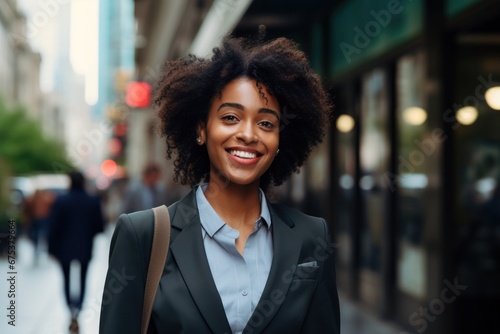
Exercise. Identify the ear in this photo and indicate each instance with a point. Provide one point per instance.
(201, 132)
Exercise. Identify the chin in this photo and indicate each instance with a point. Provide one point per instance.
(244, 181)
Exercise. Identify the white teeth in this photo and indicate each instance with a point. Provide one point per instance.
(243, 154)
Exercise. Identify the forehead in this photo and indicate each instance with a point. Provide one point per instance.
(246, 92)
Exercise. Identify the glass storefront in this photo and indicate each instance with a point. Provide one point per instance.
(416, 149)
(416, 179)
(344, 180)
(374, 163)
(477, 178)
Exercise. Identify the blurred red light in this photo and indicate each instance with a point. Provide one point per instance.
(108, 168)
(138, 94)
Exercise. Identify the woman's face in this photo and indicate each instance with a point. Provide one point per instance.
(242, 132)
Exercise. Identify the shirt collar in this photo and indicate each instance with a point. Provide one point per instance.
(211, 221)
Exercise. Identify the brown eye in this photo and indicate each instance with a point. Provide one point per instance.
(230, 118)
(267, 124)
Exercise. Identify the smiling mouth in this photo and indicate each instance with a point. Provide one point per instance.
(243, 154)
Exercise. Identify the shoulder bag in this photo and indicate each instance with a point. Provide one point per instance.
(159, 251)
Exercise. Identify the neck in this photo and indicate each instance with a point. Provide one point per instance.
(237, 205)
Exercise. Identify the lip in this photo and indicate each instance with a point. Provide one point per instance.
(244, 161)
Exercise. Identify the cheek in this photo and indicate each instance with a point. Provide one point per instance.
(214, 148)
(212, 151)
(274, 142)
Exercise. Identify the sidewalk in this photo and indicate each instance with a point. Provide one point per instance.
(355, 320)
(41, 308)
(40, 303)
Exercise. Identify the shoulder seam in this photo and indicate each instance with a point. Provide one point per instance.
(139, 246)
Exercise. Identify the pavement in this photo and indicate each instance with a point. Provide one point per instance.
(355, 320)
(39, 301)
(40, 306)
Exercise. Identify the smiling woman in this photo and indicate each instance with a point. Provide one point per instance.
(189, 86)
(244, 132)
(238, 122)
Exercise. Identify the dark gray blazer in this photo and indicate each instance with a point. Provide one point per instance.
(300, 295)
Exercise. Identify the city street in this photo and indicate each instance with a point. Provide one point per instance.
(41, 309)
(387, 110)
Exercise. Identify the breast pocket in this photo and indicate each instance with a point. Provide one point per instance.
(306, 271)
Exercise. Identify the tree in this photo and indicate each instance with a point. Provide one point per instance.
(24, 150)
(23, 147)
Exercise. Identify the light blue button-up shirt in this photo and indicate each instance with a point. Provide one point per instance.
(240, 280)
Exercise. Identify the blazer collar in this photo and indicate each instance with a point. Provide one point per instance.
(287, 245)
(190, 256)
(189, 252)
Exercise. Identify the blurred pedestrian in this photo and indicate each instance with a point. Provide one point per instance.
(113, 199)
(241, 121)
(75, 219)
(145, 194)
(38, 208)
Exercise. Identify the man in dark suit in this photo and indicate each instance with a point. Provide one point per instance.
(75, 219)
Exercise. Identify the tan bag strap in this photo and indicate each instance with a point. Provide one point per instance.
(159, 251)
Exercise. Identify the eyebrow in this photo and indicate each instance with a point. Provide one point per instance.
(242, 108)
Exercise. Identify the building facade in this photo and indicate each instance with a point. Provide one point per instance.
(19, 64)
(414, 182)
(8, 20)
(116, 52)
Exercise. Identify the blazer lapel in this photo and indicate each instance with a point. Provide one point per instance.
(287, 246)
(190, 256)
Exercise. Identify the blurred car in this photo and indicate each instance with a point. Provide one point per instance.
(57, 183)
(23, 187)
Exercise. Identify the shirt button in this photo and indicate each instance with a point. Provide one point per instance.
(244, 292)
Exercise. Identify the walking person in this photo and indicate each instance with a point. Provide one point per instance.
(147, 193)
(37, 214)
(239, 122)
(75, 219)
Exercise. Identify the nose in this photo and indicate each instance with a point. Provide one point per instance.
(247, 133)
